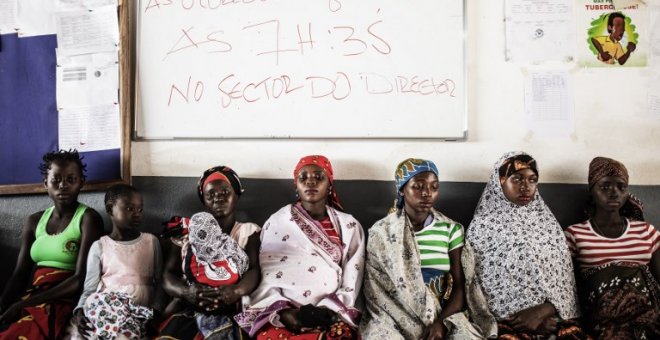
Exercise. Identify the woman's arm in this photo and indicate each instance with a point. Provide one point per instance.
(173, 283)
(20, 277)
(93, 275)
(160, 299)
(456, 302)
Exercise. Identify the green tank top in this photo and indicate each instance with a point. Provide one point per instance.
(59, 250)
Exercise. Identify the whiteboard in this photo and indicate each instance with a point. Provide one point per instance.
(301, 69)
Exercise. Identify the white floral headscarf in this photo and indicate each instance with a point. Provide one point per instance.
(522, 259)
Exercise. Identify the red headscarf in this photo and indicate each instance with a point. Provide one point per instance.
(323, 163)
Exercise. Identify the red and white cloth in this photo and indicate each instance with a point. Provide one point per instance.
(302, 264)
(636, 245)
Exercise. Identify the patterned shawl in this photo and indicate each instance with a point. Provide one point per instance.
(399, 304)
(220, 260)
(301, 265)
(521, 255)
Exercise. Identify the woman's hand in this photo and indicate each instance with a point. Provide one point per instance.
(290, 319)
(229, 294)
(190, 294)
(532, 319)
(207, 298)
(549, 326)
(322, 318)
(435, 331)
(202, 297)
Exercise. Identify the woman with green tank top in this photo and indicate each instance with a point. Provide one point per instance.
(54, 246)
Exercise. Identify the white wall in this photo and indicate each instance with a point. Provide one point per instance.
(611, 120)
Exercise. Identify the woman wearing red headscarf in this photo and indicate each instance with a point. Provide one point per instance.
(312, 257)
(619, 258)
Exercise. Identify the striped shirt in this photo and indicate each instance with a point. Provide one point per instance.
(329, 230)
(435, 241)
(637, 244)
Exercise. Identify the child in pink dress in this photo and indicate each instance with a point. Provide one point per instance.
(123, 269)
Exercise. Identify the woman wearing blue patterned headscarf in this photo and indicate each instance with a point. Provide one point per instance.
(405, 171)
(413, 279)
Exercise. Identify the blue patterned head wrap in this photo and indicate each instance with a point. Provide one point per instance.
(407, 170)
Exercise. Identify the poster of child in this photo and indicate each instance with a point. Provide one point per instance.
(612, 37)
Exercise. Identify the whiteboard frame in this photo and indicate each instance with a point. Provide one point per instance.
(136, 101)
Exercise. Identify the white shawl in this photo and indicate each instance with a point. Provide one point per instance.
(522, 259)
(301, 265)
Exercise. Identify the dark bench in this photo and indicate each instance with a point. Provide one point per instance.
(368, 201)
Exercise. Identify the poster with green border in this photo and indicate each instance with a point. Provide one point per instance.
(611, 37)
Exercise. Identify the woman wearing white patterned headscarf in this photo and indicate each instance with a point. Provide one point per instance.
(522, 262)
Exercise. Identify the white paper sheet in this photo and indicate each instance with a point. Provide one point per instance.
(35, 17)
(8, 12)
(654, 35)
(89, 128)
(60, 4)
(83, 4)
(549, 105)
(653, 97)
(654, 105)
(622, 4)
(539, 30)
(87, 80)
(87, 31)
(99, 3)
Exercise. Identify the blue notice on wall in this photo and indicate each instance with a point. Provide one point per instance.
(28, 113)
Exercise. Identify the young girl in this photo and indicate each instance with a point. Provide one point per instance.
(53, 249)
(123, 270)
(617, 253)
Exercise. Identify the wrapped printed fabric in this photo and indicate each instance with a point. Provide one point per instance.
(213, 257)
(209, 257)
(115, 314)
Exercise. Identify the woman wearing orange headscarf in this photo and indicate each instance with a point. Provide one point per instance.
(312, 258)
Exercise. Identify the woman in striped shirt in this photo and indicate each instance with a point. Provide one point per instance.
(413, 282)
(617, 254)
